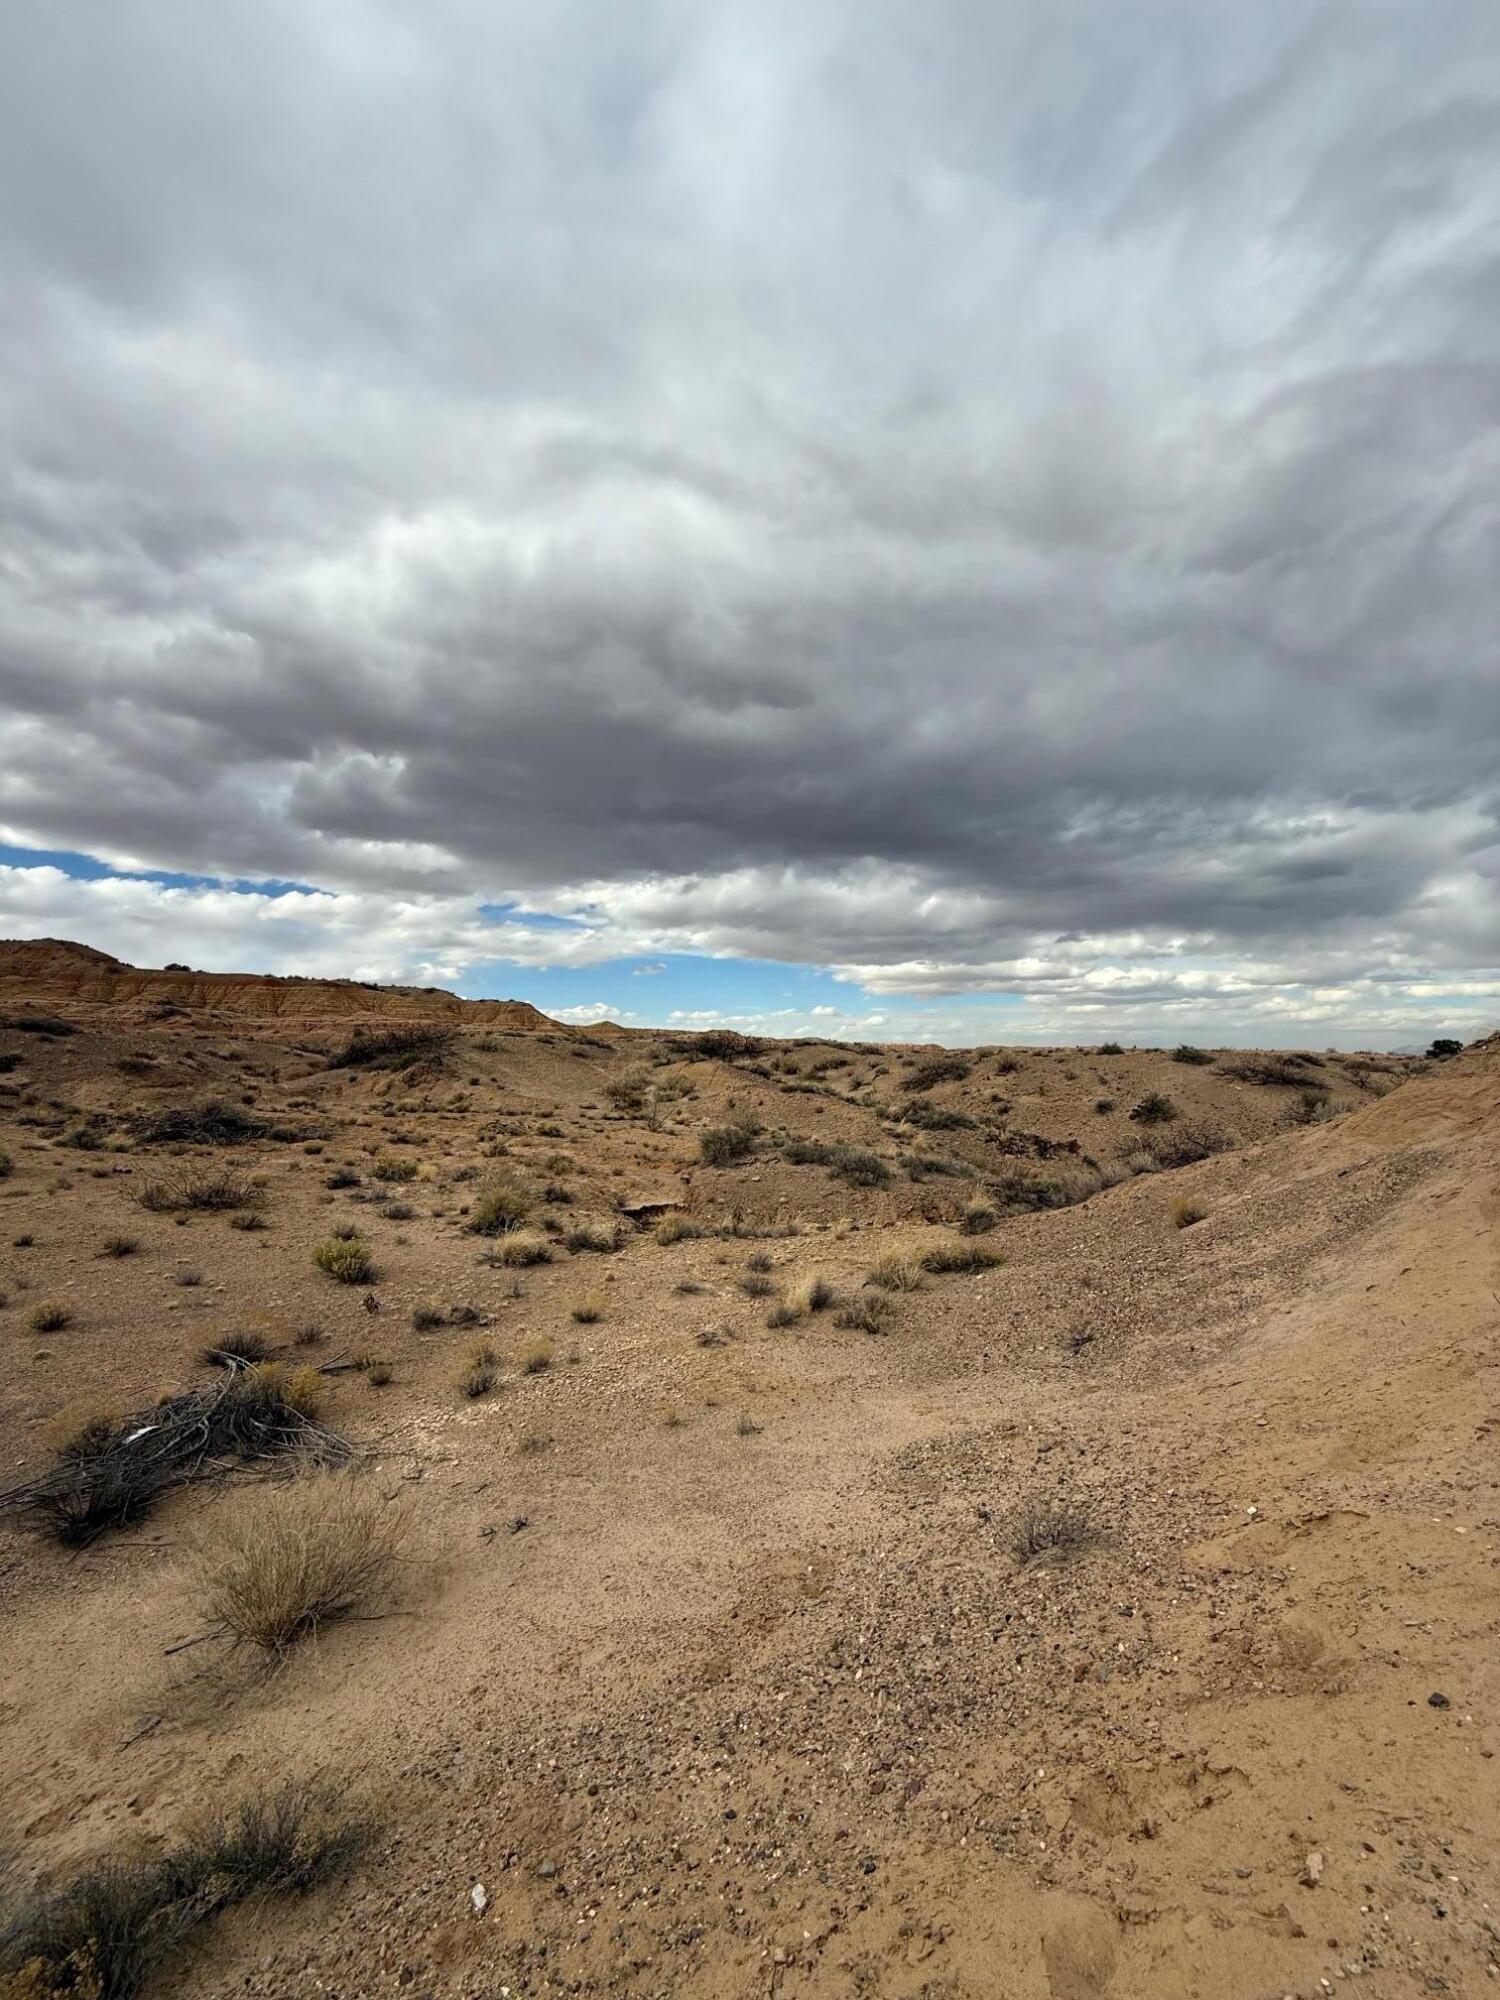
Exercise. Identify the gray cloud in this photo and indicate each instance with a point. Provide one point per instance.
(890, 487)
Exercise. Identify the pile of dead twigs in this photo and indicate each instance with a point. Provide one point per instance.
(114, 1470)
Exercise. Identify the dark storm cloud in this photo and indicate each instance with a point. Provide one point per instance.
(1036, 464)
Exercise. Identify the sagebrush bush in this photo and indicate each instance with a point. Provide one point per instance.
(1154, 1109)
(857, 1166)
(346, 1259)
(281, 1562)
(210, 1192)
(393, 1048)
(1044, 1528)
(106, 1932)
(936, 1070)
(727, 1145)
(392, 1167)
(49, 1316)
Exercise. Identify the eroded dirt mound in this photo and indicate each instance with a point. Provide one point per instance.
(48, 972)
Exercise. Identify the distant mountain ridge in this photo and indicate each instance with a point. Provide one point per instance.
(55, 972)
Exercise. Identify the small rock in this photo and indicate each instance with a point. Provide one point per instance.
(1312, 1869)
(546, 1869)
(479, 1896)
(1438, 1701)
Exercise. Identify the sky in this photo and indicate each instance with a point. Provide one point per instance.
(964, 521)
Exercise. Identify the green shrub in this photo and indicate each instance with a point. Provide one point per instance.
(346, 1259)
(727, 1145)
(936, 1070)
(1154, 1109)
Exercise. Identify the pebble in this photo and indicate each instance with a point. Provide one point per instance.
(1312, 1869)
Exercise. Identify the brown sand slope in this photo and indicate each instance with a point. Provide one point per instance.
(713, 1659)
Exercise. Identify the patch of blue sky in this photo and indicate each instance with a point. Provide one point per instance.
(88, 868)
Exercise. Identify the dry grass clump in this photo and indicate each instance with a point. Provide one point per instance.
(960, 1256)
(286, 1560)
(1046, 1529)
(210, 1192)
(978, 1219)
(1194, 1058)
(676, 1229)
(589, 1310)
(242, 1349)
(535, 1358)
(1186, 1209)
(503, 1203)
(49, 1316)
(346, 1259)
(756, 1285)
(812, 1294)
(867, 1312)
(809, 1295)
(594, 1235)
(520, 1249)
(106, 1933)
(479, 1370)
(119, 1246)
(7, 1164)
(897, 1272)
(392, 1167)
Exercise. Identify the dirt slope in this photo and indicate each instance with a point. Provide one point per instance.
(713, 1661)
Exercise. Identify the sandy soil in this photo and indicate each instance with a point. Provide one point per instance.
(714, 1663)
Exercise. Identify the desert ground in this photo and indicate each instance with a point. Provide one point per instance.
(844, 1521)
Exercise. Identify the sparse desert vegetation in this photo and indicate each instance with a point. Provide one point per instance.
(547, 1437)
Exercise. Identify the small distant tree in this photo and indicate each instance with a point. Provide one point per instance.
(1443, 1047)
